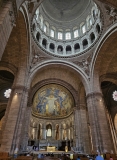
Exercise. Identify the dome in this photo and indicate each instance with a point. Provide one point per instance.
(67, 10)
(52, 101)
(57, 23)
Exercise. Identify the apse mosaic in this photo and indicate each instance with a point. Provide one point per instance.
(53, 101)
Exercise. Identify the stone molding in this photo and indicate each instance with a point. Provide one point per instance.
(94, 94)
(20, 88)
(8, 67)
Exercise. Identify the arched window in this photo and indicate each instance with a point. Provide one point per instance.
(83, 29)
(34, 26)
(52, 47)
(60, 35)
(94, 14)
(77, 47)
(92, 37)
(44, 43)
(98, 28)
(68, 36)
(41, 21)
(68, 50)
(76, 33)
(90, 22)
(38, 36)
(60, 49)
(85, 43)
(52, 33)
(37, 14)
(45, 28)
(49, 130)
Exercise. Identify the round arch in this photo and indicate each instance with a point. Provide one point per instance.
(78, 72)
(103, 51)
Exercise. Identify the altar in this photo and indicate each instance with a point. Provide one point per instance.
(51, 149)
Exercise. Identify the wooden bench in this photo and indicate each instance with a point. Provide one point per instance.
(4, 156)
(24, 158)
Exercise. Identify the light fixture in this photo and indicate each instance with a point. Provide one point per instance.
(7, 93)
(114, 95)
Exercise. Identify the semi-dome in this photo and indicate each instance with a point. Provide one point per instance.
(57, 23)
(52, 101)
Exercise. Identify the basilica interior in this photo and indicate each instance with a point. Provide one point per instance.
(58, 75)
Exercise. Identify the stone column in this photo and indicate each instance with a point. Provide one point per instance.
(60, 132)
(40, 40)
(47, 46)
(25, 134)
(81, 45)
(55, 50)
(77, 128)
(86, 147)
(71, 132)
(14, 119)
(53, 131)
(43, 132)
(100, 133)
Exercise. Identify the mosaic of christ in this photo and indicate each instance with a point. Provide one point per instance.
(53, 100)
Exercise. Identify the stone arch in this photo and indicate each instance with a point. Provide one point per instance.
(104, 54)
(53, 81)
(18, 51)
(51, 64)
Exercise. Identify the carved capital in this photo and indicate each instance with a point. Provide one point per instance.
(94, 95)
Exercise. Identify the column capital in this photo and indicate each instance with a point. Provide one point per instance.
(94, 94)
(20, 88)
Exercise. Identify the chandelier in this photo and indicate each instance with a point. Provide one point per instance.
(7, 93)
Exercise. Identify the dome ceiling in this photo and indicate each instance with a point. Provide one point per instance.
(65, 10)
(52, 101)
(56, 23)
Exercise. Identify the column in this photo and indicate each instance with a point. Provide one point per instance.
(56, 52)
(53, 131)
(60, 132)
(89, 41)
(77, 128)
(47, 46)
(14, 117)
(40, 40)
(86, 145)
(25, 134)
(81, 45)
(43, 131)
(100, 133)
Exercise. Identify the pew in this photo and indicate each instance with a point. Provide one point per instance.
(24, 158)
(4, 156)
